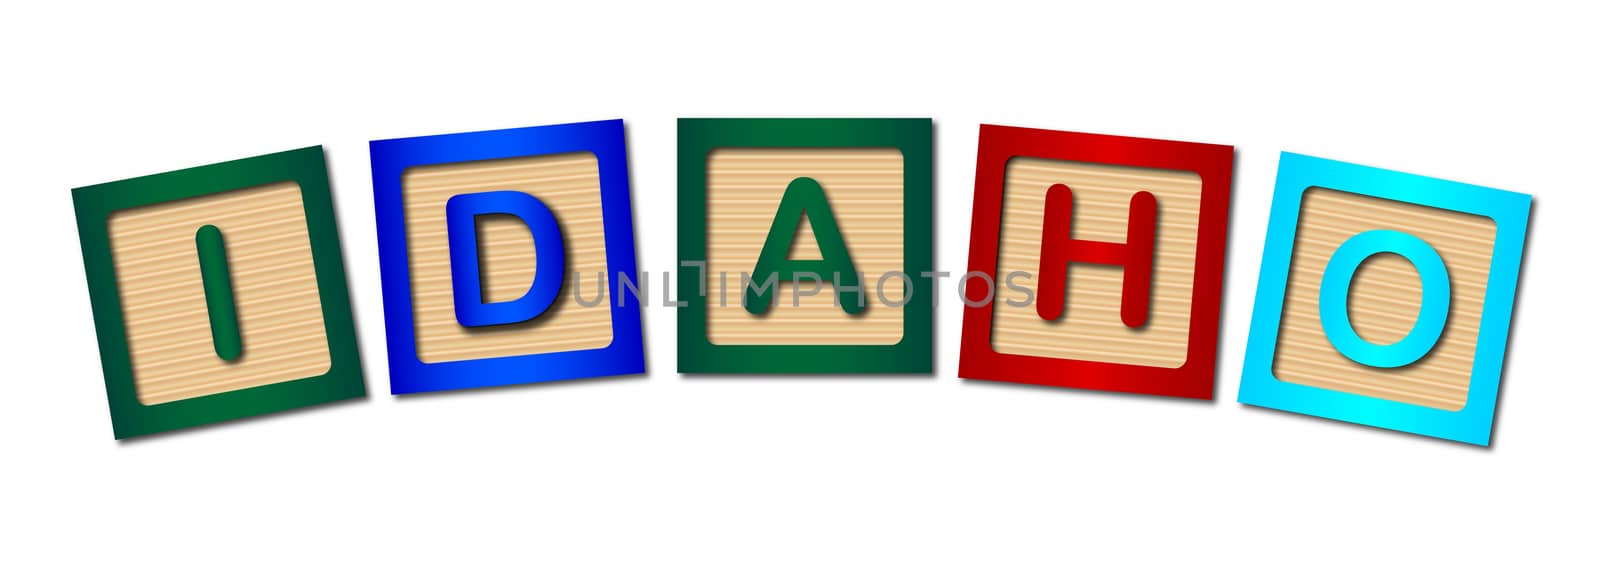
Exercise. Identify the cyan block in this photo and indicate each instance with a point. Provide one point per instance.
(1385, 298)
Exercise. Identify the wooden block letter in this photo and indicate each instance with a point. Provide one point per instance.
(219, 292)
(1102, 260)
(805, 245)
(501, 254)
(1385, 298)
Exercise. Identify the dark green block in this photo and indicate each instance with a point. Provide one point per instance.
(94, 206)
(697, 138)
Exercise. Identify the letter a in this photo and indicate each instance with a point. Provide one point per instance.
(804, 196)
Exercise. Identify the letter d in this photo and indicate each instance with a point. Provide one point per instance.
(461, 215)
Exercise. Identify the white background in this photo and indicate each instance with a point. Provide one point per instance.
(667, 471)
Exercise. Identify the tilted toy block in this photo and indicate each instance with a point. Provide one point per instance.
(1101, 261)
(218, 292)
(501, 254)
(1385, 298)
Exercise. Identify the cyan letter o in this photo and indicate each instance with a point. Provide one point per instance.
(1334, 300)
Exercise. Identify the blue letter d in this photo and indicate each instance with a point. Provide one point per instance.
(461, 215)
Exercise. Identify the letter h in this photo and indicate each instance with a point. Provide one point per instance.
(1136, 256)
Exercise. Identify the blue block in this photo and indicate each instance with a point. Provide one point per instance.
(391, 159)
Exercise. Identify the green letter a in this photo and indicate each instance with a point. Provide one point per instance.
(804, 196)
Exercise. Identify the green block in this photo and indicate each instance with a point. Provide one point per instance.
(218, 292)
(876, 175)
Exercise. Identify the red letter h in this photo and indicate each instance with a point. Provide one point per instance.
(1057, 248)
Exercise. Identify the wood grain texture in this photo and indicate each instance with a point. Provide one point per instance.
(1091, 327)
(163, 298)
(569, 184)
(1384, 299)
(865, 189)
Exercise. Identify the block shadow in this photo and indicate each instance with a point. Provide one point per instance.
(496, 389)
(239, 422)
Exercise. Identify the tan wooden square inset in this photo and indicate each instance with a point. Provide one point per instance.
(1091, 328)
(865, 189)
(569, 184)
(1384, 299)
(164, 302)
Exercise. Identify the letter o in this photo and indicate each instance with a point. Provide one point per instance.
(1335, 294)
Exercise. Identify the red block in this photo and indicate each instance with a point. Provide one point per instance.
(1118, 241)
